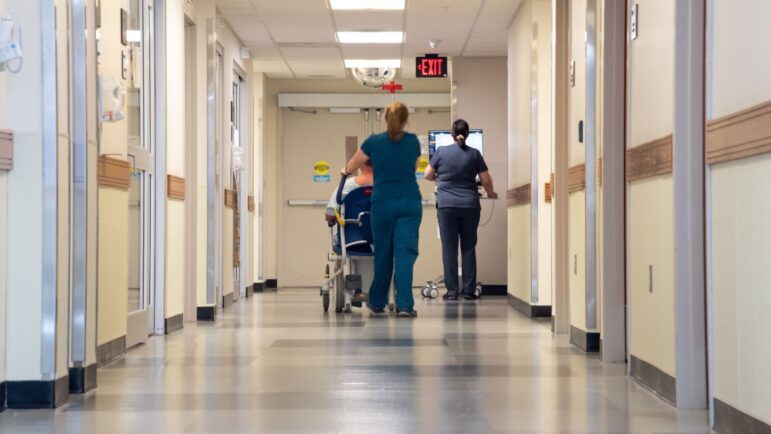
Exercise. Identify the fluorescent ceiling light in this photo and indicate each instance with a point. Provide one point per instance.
(367, 5)
(373, 63)
(370, 37)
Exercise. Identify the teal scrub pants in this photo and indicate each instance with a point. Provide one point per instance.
(395, 228)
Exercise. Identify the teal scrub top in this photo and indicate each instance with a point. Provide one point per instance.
(393, 164)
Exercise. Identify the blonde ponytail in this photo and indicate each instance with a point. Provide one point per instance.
(396, 116)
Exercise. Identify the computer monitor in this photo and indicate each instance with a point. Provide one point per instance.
(439, 138)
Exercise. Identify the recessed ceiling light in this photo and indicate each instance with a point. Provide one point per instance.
(370, 37)
(373, 63)
(367, 5)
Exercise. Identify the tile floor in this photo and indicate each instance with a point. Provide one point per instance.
(276, 363)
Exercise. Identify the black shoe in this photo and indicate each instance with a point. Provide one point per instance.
(359, 296)
(470, 296)
(449, 297)
(407, 313)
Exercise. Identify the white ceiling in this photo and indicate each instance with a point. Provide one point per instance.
(296, 38)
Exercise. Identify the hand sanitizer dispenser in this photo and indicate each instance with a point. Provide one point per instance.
(9, 49)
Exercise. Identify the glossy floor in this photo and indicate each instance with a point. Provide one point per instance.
(275, 363)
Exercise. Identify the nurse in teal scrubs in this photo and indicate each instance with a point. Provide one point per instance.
(396, 209)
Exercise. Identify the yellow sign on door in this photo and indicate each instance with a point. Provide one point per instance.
(321, 168)
(421, 170)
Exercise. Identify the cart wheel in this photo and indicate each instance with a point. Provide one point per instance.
(347, 308)
(434, 293)
(391, 307)
(425, 291)
(478, 291)
(325, 302)
(339, 296)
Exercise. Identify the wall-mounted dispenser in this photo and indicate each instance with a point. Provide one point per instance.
(10, 49)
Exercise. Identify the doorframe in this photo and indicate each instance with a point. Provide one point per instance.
(614, 325)
(561, 125)
(191, 171)
(239, 76)
(158, 273)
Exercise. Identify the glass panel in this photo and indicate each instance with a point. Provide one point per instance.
(136, 241)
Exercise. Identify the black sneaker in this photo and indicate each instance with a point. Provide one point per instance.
(470, 296)
(449, 296)
(407, 313)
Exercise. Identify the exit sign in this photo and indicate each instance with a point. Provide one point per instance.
(430, 65)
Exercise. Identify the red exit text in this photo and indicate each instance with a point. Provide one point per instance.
(431, 66)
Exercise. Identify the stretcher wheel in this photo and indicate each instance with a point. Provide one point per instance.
(347, 308)
(478, 291)
(425, 292)
(433, 293)
(325, 302)
(339, 296)
(391, 307)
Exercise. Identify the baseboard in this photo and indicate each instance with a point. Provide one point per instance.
(206, 313)
(2, 396)
(527, 309)
(495, 290)
(653, 378)
(83, 379)
(173, 323)
(37, 394)
(588, 342)
(110, 350)
(729, 420)
(227, 300)
(258, 287)
(271, 284)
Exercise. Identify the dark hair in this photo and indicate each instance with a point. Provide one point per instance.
(460, 132)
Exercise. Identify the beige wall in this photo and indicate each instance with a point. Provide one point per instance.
(3, 255)
(113, 211)
(519, 98)
(651, 244)
(530, 79)
(577, 200)
(113, 264)
(175, 156)
(741, 245)
(481, 89)
(650, 223)
(542, 19)
(519, 252)
(518, 117)
(740, 236)
(577, 259)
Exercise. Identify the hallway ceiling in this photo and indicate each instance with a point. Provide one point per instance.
(296, 38)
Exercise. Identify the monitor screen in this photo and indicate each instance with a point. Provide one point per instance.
(439, 138)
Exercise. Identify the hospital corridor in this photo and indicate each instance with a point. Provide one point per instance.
(385, 216)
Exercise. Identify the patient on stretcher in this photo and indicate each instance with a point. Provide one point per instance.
(364, 179)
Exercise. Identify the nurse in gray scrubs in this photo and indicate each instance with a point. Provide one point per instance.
(455, 168)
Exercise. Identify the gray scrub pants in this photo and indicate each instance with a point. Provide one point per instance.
(459, 224)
